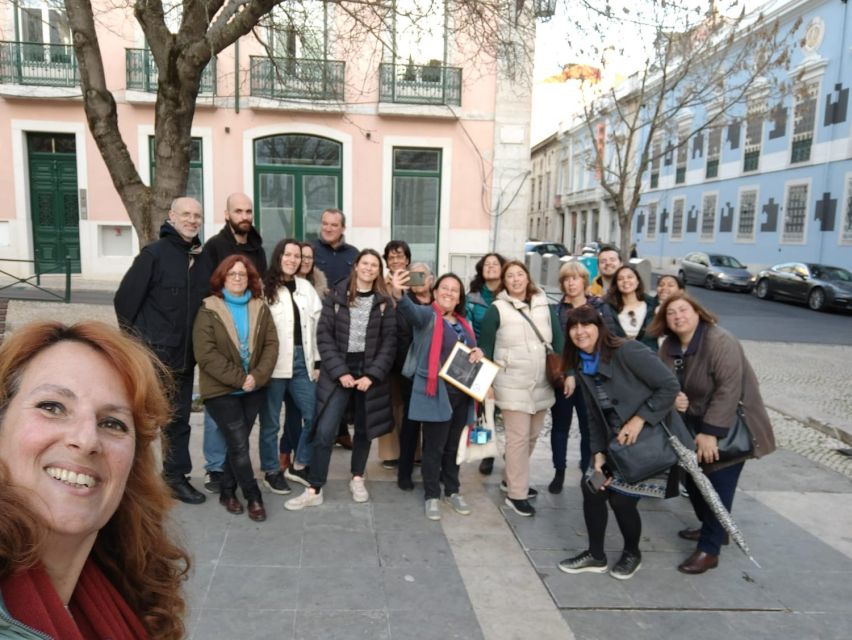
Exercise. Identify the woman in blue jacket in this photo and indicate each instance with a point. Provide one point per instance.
(443, 410)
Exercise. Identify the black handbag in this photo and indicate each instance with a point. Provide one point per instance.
(649, 456)
(737, 443)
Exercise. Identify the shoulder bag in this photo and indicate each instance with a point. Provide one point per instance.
(553, 367)
(737, 443)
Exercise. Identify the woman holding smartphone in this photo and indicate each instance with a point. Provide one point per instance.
(626, 390)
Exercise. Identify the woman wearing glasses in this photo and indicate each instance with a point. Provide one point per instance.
(236, 347)
(631, 310)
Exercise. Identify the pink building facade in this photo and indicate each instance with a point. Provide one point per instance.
(429, 151)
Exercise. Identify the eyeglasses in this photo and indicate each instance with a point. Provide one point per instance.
(632, 316)
(237, 275)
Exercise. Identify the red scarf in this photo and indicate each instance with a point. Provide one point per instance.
(97, 608)
(437, 343)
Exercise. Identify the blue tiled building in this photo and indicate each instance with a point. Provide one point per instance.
(774, 183)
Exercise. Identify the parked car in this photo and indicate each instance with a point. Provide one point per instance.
(715, 271)
(819, 285)
(556, 248)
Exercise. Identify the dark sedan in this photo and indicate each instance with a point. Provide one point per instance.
(818, 285)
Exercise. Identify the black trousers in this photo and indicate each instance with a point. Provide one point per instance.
(409, 434)
(235, 416)
(596, 514)
(440, 445)
(176, 460)
(326, 427)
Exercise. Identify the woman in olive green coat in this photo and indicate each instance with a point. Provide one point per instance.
(236, 347)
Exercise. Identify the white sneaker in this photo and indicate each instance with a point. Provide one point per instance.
(433, 509)
(457, 502)
(307, 499)
(358, 489)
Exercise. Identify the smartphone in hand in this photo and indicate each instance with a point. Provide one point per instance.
(595, 479)
(416, 279)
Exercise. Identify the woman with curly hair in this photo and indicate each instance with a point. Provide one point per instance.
(82, 499)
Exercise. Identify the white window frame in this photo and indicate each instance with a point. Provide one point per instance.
(750, 239)
(678, 237)
(807, 213)
(756, 108)
(844, 236)
(816, 82)
(701, 236)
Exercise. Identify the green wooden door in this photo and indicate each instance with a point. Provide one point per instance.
(296, 178)
(54, 202)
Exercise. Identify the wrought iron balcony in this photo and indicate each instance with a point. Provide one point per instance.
(301, 78)
(420, 84)
(142, 72)
(36, 63)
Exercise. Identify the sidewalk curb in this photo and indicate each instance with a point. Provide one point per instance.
(812, 423)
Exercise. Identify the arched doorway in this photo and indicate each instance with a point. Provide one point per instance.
(296, 177)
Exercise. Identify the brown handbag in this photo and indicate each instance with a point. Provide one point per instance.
(553, 366)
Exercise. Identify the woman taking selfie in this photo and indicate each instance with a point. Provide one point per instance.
(82, 500)
(236, 348)
(626, 390)
(357, 344)
(716, 380)
(443, 409)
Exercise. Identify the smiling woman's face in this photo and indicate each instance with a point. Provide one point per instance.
(68, 440)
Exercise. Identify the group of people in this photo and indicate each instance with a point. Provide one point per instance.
(640, 362)
(328, 333)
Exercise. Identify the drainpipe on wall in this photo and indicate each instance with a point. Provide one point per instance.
(237, 76)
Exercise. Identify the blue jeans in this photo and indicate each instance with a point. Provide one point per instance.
(561, 413)
(303, 392)
(214, 445)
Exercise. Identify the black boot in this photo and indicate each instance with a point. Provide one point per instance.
(555, 485)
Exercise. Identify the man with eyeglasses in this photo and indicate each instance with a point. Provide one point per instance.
(240, 236)
(157, 301)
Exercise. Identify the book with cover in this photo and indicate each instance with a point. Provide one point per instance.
(474, 379)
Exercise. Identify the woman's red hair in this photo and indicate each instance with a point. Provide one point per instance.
(133, 548)
(217, 280)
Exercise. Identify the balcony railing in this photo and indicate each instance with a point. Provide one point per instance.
(35, 63)
(285, 78)
(420, 84)
(142, 72)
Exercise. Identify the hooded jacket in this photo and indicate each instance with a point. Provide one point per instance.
(224, 244)
(159, 297)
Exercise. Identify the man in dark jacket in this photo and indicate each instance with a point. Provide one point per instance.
(157, 300)
(238, 236)
(332, 255)
(335, 258)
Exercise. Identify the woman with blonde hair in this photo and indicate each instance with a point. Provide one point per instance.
(82, 499)
(574, 283)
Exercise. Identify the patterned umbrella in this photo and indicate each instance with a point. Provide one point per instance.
(688, 461)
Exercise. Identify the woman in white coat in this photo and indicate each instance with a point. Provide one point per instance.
(295, 308)
(516, 332)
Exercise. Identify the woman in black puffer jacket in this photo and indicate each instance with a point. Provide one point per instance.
(356, 337)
